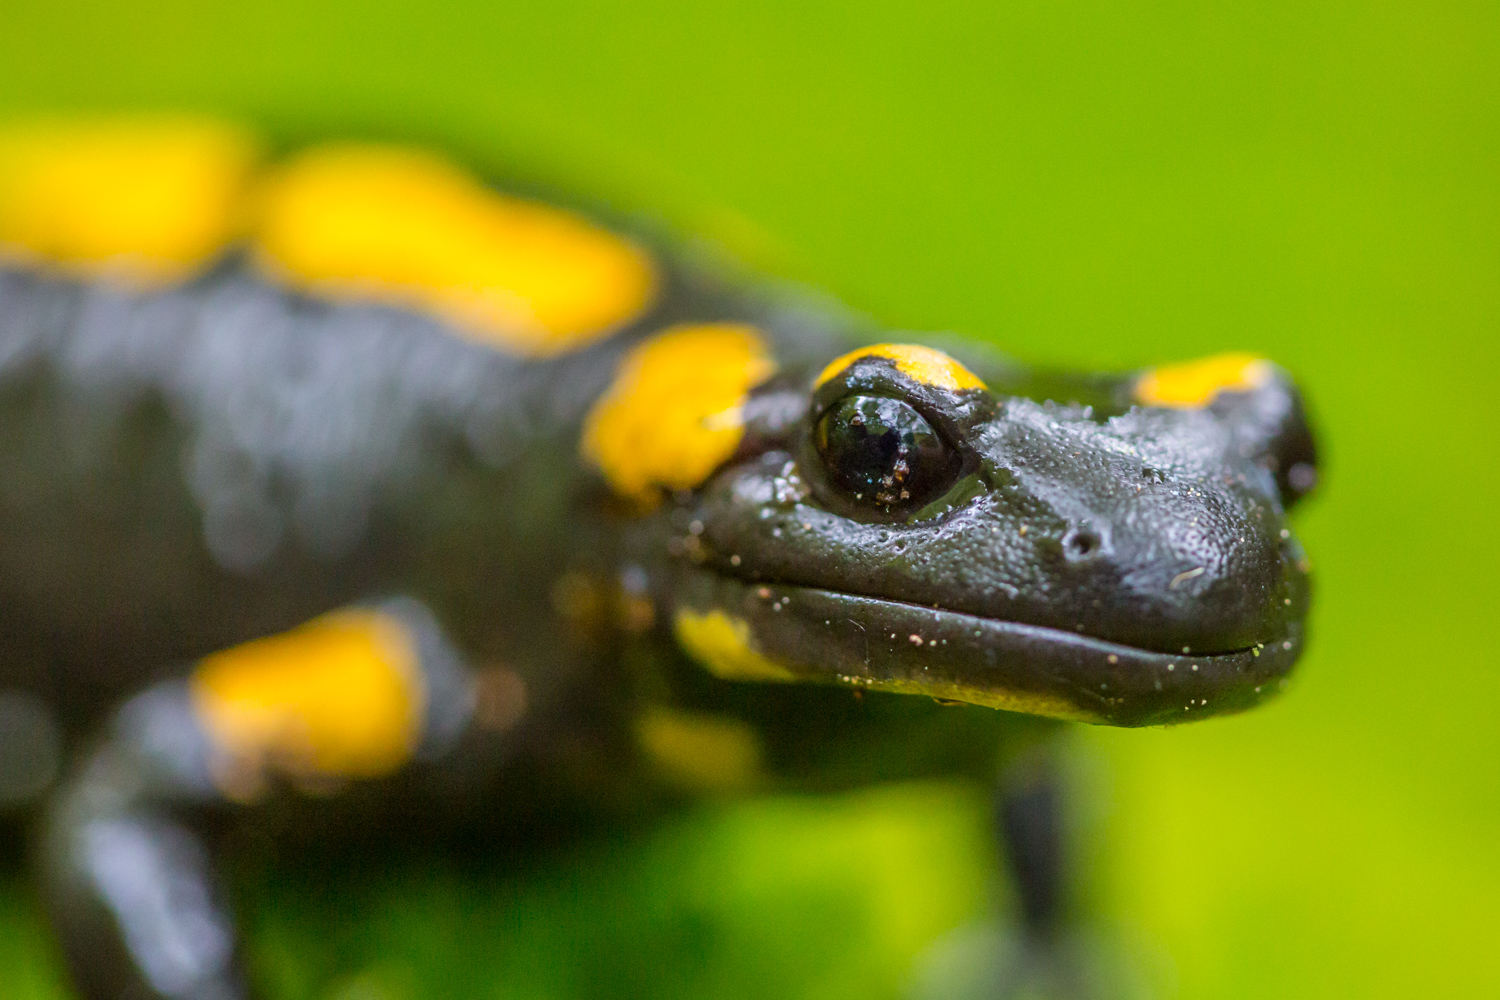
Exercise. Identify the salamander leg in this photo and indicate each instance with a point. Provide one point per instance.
(1028, 807)
(128, 881)
(125, 864)
(1029, 804)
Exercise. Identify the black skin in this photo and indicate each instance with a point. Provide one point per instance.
(1132, 568)
(165, 496)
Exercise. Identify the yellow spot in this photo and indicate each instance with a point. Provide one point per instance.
(700, 752)
(721, 643)
(923, 364)
(144, 201)
(410, 229)
(673, 413)
(339, 697)
(1194, 384)
(1025, 702)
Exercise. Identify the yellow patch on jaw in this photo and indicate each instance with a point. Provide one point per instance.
(145, 201)
(922, 364)
(673, 413)
(1195, 384)
(339, 697)
(407, 228)
(700, 752)
(721, 643)
(1024, 702)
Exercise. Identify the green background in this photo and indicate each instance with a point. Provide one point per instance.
(1107, 184)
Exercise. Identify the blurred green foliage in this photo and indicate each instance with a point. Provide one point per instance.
(771, 899)
(1105, 184)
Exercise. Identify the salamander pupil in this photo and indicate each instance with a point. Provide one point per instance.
(883, 449)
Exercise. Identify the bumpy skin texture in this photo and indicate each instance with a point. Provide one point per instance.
(1130, 569)
(189, 468)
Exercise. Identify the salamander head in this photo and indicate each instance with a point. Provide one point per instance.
(893, 524)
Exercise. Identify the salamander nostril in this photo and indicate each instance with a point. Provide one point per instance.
(1080, 543)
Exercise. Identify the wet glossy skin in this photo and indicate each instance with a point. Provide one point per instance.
(1132, 568)
(702, 550)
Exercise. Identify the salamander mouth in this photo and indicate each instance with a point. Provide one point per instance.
(813, 635)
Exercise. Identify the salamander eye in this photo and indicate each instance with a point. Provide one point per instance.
(883, 452)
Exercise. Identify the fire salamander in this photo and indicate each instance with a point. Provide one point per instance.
(339, 476)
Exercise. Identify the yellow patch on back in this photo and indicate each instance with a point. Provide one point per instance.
(408, 228)
(700, 752)
(721, 643)
(339, 697)
(144, 201)
(673, 412)
(1195, 384)
(923, 364)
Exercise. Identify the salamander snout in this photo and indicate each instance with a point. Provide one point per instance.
(1138, 530)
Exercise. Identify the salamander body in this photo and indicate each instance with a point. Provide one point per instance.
(346, 469)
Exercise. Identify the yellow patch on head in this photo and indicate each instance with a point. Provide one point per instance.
(339, 697)
(721, 643)
(1195, 384)
(144, 201)
(673, 412)
(407, 228)
(700, 752)
(922, 364)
